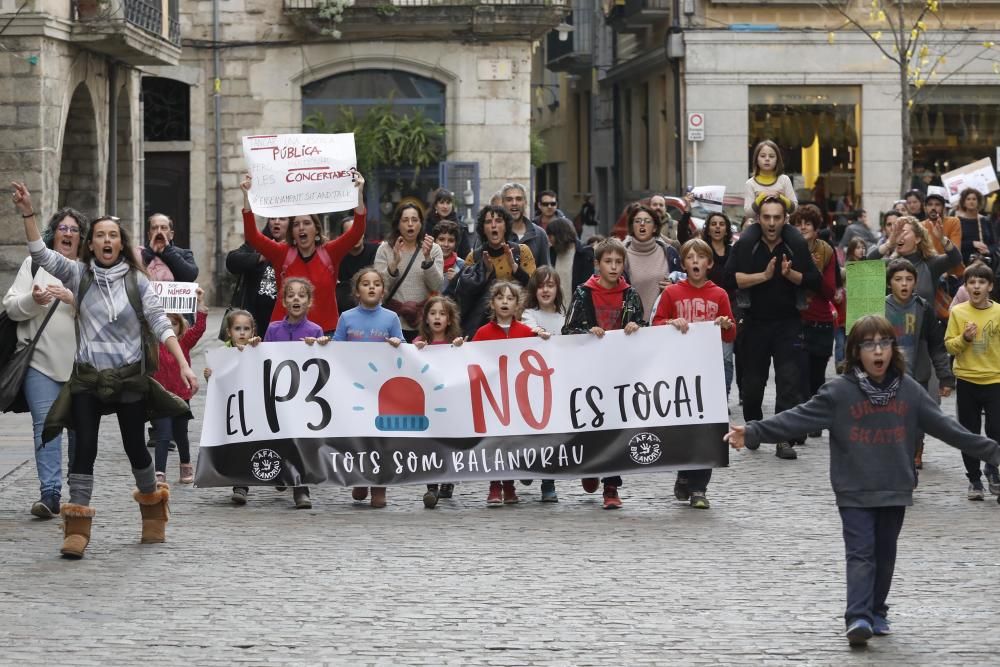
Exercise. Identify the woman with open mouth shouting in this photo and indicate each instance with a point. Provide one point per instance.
(119, 325)
(307, 255)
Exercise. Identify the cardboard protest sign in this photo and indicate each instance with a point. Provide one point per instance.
(360, 414)
(709, 197)
(299, 174)
(865, 290)
(979, 175)
(181, 298)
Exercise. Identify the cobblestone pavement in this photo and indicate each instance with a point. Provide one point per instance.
(758, 579)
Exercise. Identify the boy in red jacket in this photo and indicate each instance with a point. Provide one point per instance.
(696, 299)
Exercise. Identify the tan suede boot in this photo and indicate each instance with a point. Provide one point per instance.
(154, 513)
(76, 529)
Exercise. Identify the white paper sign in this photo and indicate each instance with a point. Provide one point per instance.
(299, 174)
(181, 298)
(979, 175)
(709, 197)
(517, 387)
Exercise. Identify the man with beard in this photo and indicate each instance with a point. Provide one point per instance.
(772, 272)
(934, 209)
(525, 231)
(162, 259)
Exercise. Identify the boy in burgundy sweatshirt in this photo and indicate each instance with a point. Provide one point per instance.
(604, 303)
(696, 299)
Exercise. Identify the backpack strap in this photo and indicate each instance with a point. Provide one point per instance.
(290, 256)
(324, 257)
(132, 290)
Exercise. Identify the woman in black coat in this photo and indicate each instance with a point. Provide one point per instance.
(569, 257)
(256, 290)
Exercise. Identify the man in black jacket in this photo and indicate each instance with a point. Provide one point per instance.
(256, 289)
(772, 267)
(162, 259)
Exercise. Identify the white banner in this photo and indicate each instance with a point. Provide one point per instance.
(655, 377)
(979, 175)
(299, 174)
(181, 298)
(709, 197)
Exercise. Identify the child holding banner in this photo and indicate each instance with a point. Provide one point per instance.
(169, 375)
(369, 322)
(695, 299)
(306, 255)
(505, 305)
(606, 302)
(440, 324)
(875, 412)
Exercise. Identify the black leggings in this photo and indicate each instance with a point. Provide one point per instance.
(87, 410)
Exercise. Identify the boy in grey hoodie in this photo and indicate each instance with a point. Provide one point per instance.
(875, 412)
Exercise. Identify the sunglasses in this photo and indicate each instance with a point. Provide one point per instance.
(548, 203)
(882, 344)
(66, 229)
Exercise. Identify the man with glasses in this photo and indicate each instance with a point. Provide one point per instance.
(771, 273)
(513, 199)
(548, 208)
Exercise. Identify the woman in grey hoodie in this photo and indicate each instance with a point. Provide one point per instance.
(117, 316)
(875, 413)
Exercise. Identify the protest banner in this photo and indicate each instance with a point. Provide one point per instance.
(979, 175)
(181, 298)
(866, 290)
(299, 174)
(368, 414)
(709, 197)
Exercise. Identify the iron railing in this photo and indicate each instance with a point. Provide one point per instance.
(315, 4)
(580, 40)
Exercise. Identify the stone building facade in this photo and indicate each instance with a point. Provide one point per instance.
(70, 108)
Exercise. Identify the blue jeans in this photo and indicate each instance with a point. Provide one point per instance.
(839, 344)
(41, 391)
(870, 535)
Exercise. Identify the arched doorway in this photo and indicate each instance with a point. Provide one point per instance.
(79, 183)
(358, 92)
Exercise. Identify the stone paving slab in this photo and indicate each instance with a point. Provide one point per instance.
(758, 579)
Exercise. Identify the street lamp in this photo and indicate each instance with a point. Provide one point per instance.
(564, 29)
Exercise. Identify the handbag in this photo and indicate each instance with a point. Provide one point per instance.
(12, 376)
(8, 330)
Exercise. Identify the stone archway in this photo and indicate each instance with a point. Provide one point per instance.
(79, 170)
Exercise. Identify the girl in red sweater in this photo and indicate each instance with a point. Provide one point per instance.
(306, 255)
(169, 375)
(505, 307)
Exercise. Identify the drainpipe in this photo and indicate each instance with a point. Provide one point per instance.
(220, 266)
(111, 200)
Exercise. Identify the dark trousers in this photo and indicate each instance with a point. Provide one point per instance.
(179, 431)
(87, 410)
(780, 340)
(870, 535)
(817, 348)
(971, 401)
(696, 480)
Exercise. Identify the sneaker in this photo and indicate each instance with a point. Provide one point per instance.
(993, 480)
(699, 501)
(359, 493)
(239, 496)
(171, 446)
(378, 497)
(161, 476)
(281, 489)
(510, 494)
(446, 491)
(46, 507)
(785, 450)
(611, 499)
(590, 484)
(187, 474)
(881, 627)
(496, 494)
(527, 482)
(549, 491)
(431, 497)
(859, 632)
(681, 491)
(301, 497)
(976, 491)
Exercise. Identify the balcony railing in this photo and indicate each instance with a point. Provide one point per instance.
(135, 31)
(432, 19)
(576, 52)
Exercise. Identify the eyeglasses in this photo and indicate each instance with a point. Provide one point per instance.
(66, 229)
(548, 203)
(882, 344)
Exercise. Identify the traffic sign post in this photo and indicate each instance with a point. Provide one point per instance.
(696, 133)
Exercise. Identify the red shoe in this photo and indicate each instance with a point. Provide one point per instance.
(359, 492)
(590, 484)
(510, 494)
(611, 499)
(495, 497)
(378, 496)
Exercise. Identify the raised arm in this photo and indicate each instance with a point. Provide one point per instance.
(339, 247)
(61, 267)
